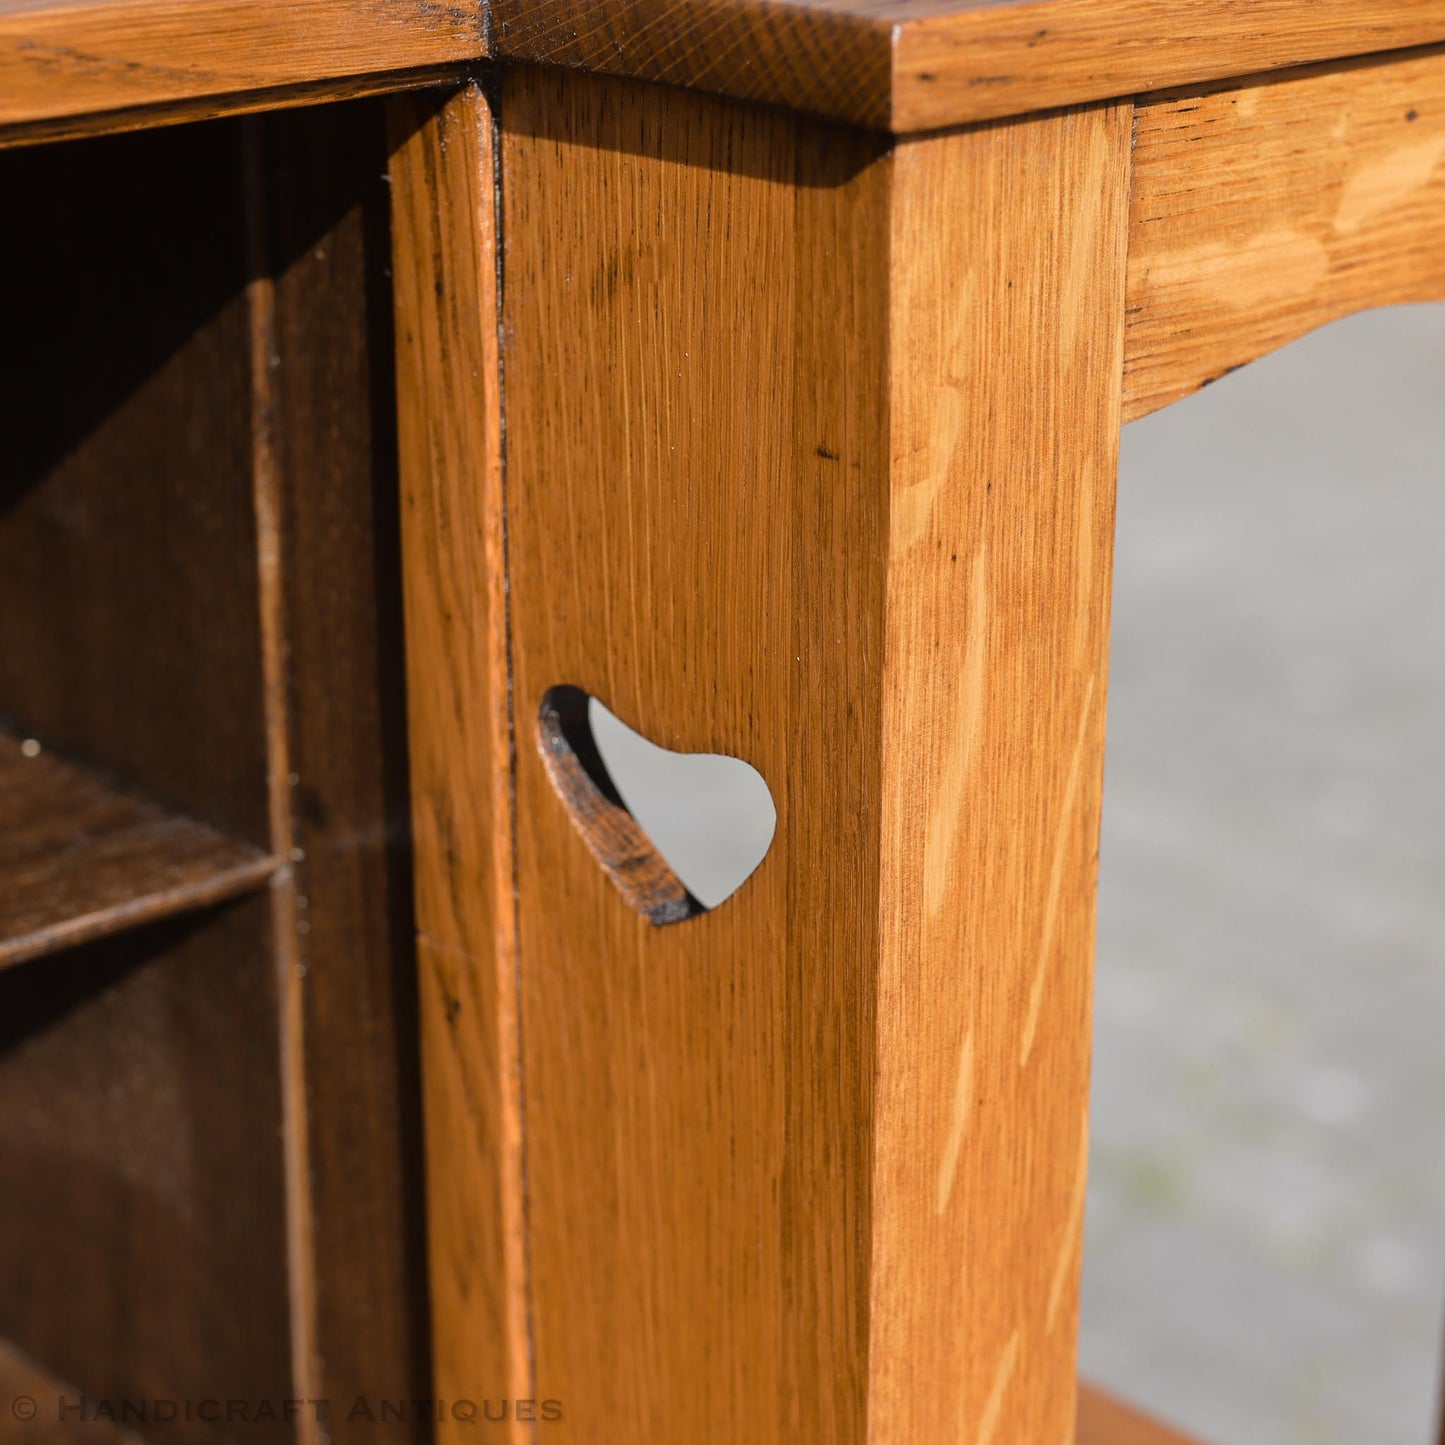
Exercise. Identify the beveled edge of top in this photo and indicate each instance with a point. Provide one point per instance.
(917, 65)
(901, 66)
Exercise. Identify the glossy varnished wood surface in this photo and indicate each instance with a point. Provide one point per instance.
(140, 1073)
(83, 57)
(81, 859)
(1262, 210)
(910, 65)
(449, 430)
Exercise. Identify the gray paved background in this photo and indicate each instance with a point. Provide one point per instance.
(1265, 1247)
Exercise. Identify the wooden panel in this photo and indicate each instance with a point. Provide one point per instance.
(21, 1379)
(141, 1138)
(1103, 1420)
(81, 859)
(79, 57)
(129, 607)
(142, 1227)
(697, 1096)
(324, 226)
(449, 430)
(1005, 435)
(1008, 58)
(200, 587)
(748, 510)
(909, 65)
(817, 55)
(904, 65)
(1264, 210)
(211, 107)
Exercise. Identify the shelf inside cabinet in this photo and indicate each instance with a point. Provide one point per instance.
(80, 858)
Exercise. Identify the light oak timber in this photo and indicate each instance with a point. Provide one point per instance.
(212, 107)
(449, 432)
(1265, 209)
(911, 65)
(794, 474)
(897, 65)
(1007, 273)
(82, 57)
(695, 506)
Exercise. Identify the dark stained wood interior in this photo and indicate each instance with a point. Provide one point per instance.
(81, 859)
(129, 616)
(142, 1234)
(329, 251)
(20, 1375)
(209, 1177)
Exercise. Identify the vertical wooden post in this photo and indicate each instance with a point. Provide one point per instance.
(809, 459)
(449, 438)
(1006, 306)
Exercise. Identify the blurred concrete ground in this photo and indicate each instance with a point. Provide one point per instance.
(1265, 1246)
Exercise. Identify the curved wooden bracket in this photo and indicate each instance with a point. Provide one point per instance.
(1262, 210)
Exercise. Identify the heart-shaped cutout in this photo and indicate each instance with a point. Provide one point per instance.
(677, 833)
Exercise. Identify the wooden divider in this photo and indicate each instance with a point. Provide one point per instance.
(791, 472)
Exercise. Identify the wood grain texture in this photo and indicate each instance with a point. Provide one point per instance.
(129, 607)
(140, 1119)
(323, 244)
(911, 65)
(140, 1077)
(1263, 210)
(1104, 1420)
(900, 65)
(21, 1376)
(200, 457)
(677, 272)
(449, 429)
(212, 107)
(82, 859)
(1008, 278)
(754, 509)
(85, 57)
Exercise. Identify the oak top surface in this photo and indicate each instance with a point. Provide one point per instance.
(900, 65)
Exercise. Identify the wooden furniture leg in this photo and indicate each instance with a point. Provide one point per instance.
(809, 459)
